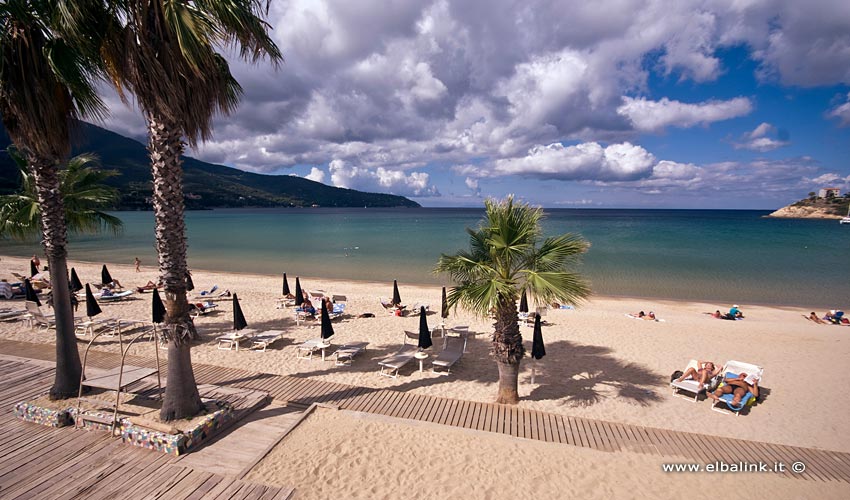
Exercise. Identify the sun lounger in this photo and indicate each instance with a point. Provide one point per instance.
(114, 297)
(231, 340)
(338, 311)
(306, 350)
(418, 307)
(283, 302)
(346, 353)
(34, 316)
(392, 363)
(689, 386)
(452, 352)
(224, 294)
(733, 369)
(263, 340)
(200, 309)
(10, 315)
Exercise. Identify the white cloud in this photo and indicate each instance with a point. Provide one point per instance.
(471, 183)
(841, 112)
(758, 139)
(381, 180)
(586, 161)
(316, 174)
(653, 116)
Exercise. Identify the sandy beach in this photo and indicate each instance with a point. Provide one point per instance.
(600, 363)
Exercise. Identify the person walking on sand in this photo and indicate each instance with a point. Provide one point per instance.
(138, 264)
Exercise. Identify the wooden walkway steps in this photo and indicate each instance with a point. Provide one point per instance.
(821, 465)
(43, 462)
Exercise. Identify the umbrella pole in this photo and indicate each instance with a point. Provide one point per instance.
(533, 367)
(156, 348)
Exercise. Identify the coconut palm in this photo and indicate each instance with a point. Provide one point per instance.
(81, 189)
(507, 256)
(45, 84)
(165, 53)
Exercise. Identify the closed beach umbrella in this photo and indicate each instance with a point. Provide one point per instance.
(76, 284)
(444, 306)
(396, 296)
(523, 303)
(105, 277)
(158, 308)
(299, 296)
(33, 269)
(285, 285)
(92, 307)
(31, 295)
(238, 318)
(424, 331)
(537, 349)
(190, 285)
(327, 328)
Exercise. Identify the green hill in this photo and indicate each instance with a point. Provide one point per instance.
(205, 185)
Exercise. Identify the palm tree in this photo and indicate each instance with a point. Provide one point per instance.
(505, 258)
(81, 189)
(164, 52)
(45, 84)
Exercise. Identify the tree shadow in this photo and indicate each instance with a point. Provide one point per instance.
(586, 373)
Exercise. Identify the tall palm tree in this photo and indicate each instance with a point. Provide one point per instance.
(81, 189)
(165, 53)
(45, 84)
(506, 257)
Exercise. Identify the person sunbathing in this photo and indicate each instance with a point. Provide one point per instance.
(739, 386)
(703, 373)
(814, 317)
(150, 285)
(106, 292)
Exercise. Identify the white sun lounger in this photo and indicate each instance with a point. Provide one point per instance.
(306, 349)
(263, 340)
(392, 363)
(689, 385)
(114, 297)
(346, 353)
(451, 354)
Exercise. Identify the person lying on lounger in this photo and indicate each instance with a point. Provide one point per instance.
(739, 386)
(705, 371)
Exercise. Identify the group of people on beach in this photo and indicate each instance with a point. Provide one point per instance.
(833, 317)
(736, 384)
(733, 314)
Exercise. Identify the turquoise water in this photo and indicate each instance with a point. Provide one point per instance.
(726, 256)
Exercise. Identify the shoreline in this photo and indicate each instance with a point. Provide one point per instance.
(608, 296)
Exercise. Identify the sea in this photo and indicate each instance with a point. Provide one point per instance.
(721, 256)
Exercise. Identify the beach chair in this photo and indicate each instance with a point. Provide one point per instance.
(231, 340)
(394, 362)
(688, 386)
(338, 311)
(114, 297)
(386, 305)
(309, 347)
(263, 340)
(417, 307)
(453, 349)
(730, 370)
(34, 316)
(339, 299)
(346, 353)
(219, 295)
(10, 314)
(200, 309)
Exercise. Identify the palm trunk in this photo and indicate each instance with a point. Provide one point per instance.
(54, 239)
(165, 146)
(508, 351)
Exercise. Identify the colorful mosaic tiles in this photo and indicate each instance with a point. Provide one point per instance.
(43, 416)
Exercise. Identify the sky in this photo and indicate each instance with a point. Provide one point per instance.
(739, 104)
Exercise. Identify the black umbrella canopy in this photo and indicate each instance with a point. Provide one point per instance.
(105, 277)
(424, 331)
(523, 303)
(327, 327)
(75, 284)
(158, 308)
(190, 285)
(33, 269)
(31, 295)
(285, 285)
(444, 306)
(299, 296)
(238, 318)
(537, 349)
(92, 307)
(396, 296)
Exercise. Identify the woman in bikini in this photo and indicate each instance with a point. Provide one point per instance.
(706, 371)
(737, 386)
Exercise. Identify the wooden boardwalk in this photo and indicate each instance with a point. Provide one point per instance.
(821, 465)
(43, 462)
